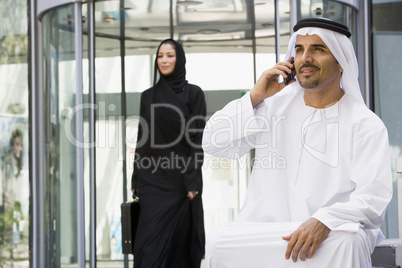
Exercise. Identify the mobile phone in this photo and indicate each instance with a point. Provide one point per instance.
(291, 75)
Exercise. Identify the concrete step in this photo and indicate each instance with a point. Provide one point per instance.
(388, 254)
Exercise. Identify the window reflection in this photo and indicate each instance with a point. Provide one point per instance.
(14, 204)
(14, 147)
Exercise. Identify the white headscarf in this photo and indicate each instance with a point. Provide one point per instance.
(343, 51)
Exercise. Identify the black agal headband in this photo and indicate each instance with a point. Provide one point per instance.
(323, 23)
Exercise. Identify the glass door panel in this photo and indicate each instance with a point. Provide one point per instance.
(60, 142)
(109, 157)
(108, 132)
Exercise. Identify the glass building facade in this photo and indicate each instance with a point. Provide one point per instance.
(14, 132)
(72, 74)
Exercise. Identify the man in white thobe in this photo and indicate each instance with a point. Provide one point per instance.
(321, 178)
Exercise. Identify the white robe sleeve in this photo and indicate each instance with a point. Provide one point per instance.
(231, 131)
(371, 173)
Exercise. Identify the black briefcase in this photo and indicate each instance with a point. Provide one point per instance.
(129, 220)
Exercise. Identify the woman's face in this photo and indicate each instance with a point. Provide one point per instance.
(166, 59)
(17, 147)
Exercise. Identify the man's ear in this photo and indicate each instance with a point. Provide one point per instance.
(340, 68)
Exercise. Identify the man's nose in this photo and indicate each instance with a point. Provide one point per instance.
(306, 57)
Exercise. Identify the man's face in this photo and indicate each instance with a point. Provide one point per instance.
(315, 65)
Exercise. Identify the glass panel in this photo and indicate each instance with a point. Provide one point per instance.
(265, 33)
(109, 157)
(328, 9)
(14, 132)
(147, 20)
(237, 75)
(60, 143)
(107, 17)
(387, 37)
(139, 72)
(213, 20)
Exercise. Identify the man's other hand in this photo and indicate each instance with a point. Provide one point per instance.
(306, 239)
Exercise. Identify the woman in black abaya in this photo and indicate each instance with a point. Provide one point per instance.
(167, 168)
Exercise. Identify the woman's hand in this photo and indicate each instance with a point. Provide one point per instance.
(134, 191)
(191, 194)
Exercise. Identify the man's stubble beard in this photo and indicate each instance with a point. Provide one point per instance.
(309, 84)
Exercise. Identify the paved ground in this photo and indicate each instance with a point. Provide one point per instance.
(108, 264)
(100, 264)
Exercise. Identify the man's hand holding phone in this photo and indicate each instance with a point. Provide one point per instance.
(267, 85)
(292, 75)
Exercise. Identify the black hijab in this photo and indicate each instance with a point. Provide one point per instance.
(177, 79)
